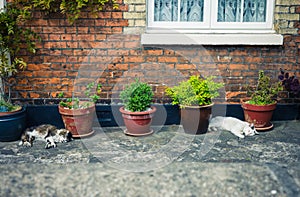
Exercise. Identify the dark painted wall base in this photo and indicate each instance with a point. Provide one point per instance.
(108, 115)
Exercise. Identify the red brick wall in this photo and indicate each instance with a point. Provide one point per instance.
(99, 50)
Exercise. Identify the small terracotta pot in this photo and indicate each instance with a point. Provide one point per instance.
(138, 123)
(195, 119)
(78, 121)
(259, 115)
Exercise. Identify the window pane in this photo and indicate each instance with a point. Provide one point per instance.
(229, 10)
(191, 10)
(254, 11)
(165, 10)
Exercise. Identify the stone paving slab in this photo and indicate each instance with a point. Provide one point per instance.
(167, 163)
(176, 179)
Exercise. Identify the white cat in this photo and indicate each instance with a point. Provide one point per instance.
(46, 132)
(235, 126)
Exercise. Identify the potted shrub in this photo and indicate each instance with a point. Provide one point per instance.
(12, 37)
(259, 108)
(194, 98)
(137, 111)
(78, 115)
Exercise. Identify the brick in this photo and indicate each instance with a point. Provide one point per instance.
(139, 22)
(53, 45)
(154, 52)
(52, 22)
(287, 2)
(57, 30)
(167, 59)
(282, 9)
(140, 8)
(238, 67)
(185, 66)
(117, 15)
(295, 17)
(118, 52)
(82, 30)
(116, 23)
(34, 67)
(134, 59)
(131, 45)
(66, 37)
(253, 59)
(134, 15)
(135, 1)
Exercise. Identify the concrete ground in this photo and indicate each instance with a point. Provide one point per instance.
(166, 163)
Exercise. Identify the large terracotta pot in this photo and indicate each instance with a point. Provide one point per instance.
(195, 119)
(12, 124)
(259, 115)
(78, 121)
(138, 123)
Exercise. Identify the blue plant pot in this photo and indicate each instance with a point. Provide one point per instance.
(12, 125)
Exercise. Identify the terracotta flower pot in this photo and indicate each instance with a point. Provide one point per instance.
(138, 123)
(78, 121)
(12, 124)
(259, 115)
(195, 119)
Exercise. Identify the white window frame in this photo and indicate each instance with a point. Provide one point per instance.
(211, 32)
(181, 25)
(267, 26)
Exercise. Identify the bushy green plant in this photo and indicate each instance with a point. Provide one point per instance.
(265, 91)
(194, 92)
(13, 37)
(71, 8)
(74, 103)
(137, 96)
(7, 106)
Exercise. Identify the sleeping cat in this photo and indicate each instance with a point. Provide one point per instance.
(234, 125)
(45, 132)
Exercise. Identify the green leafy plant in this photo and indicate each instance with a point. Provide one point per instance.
(75, 103)
(7, 106)
(265, 91)
(137, 96)
(194, 92)
(71, 8)
(290, 82)
(13, 37)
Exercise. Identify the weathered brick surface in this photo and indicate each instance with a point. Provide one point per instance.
(105, 51)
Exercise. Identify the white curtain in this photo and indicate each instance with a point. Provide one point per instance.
(167, 10)
(230, 10)
(254, 11)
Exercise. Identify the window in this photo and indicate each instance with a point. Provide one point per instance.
(210, 14)
(211, 22)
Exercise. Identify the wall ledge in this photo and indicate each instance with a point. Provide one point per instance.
(211, 39)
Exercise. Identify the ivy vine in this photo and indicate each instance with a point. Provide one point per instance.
(72, 9)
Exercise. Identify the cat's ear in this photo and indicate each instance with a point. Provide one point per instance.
(252, 126)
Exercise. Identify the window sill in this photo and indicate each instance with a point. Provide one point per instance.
(212, 39)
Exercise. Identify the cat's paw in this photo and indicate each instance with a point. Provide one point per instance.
(50, 145)
(27, 144)
(241, 136)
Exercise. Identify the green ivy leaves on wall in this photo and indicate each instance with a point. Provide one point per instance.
(71, 8)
